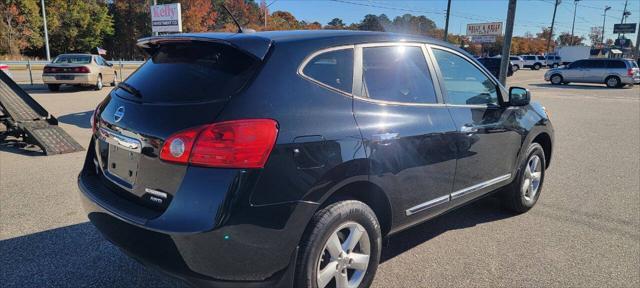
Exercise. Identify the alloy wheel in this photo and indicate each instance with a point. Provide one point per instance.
(556, 79)
(532, 178)
(345, 257)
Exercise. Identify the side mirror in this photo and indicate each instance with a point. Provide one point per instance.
(519, 96)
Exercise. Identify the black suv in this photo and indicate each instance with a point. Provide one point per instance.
(283, 158)
(493, 65)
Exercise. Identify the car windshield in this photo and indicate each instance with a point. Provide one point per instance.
(73, 59)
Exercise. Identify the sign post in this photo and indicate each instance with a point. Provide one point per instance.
(166, 18)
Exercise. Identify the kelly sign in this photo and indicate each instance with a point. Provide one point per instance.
(166, 18)
(484, 29)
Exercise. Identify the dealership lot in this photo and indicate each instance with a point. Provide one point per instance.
(582, 233)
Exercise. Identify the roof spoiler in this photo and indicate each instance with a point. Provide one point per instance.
(255, 46)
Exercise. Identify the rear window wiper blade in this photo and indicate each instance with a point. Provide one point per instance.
(132, 90)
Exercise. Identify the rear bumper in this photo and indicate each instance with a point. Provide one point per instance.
(630, 80)
(206, 245)
(80, 79)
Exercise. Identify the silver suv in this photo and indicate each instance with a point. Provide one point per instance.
(612, 72)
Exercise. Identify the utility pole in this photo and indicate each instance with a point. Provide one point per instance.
(553, 21)
(46, 34)
(624, 13)
(506, 45)
(446, 21)
(155, 2)
(575, 7)
(266, 12)
(604, 20)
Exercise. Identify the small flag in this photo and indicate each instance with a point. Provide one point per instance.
(101, 51)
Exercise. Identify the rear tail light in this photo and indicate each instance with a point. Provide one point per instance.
(69, 70)
(630, 72)
(4, 67)
(81, 70)
(231, 144)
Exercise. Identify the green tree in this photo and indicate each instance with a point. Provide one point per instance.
(20, 26)
(77, 25)
(565, 39)
(131, 22)
(335, 23)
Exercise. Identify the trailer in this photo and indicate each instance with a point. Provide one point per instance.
(570, 54)
(25, 119)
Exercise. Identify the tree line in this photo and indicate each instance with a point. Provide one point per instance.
(115, 25)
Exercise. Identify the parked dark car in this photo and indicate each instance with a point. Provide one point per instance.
(493, 65)
(284, 158)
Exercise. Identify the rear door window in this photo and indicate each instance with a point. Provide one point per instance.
(332, 68)
(397, 74)
(189, 72)
(616, 64)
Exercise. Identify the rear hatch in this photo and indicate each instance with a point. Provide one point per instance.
(183, 84)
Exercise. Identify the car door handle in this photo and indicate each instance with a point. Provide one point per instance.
(384, 137)
(468, 129)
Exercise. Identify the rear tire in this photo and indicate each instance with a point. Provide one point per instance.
(115, 79)
(99, 83)
(515, 68)
(345, 260)
(54, 87)
(536, 66)
(523, 193)
(612, 82)
(556, 79)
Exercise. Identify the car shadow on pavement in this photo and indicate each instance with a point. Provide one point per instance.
(80, 119)
(43, 89)
(72, 256)
(484, 210)
(16, 146)
(576, 86)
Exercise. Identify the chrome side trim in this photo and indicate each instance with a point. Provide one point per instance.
(121, 141)
(479, 186)
(455, 195)
(427, 205)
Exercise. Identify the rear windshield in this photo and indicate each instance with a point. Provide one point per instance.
(189, 72)
(73, 59)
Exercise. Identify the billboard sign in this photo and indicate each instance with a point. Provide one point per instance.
(166, 18)
(483, 39)
(624, 28)
(484, 29)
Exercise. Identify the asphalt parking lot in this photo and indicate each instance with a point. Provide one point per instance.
(584, 231)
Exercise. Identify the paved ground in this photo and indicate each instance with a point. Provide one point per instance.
(584, 232)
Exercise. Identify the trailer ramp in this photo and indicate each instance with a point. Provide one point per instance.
(27, 119)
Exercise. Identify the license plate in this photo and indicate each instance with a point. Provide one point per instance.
(123, 163)
(64, 77)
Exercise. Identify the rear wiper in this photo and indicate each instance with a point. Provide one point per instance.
(132, 90)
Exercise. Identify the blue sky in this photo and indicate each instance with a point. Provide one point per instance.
(531, 15)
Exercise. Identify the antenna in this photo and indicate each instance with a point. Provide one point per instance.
(233, 18)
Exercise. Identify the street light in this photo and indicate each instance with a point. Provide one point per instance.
(606, 8)
(575, 7)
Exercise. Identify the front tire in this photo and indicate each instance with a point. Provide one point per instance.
(340, 248)
(515, 68)
(523, 193)
(556, 79)
(536, 66)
